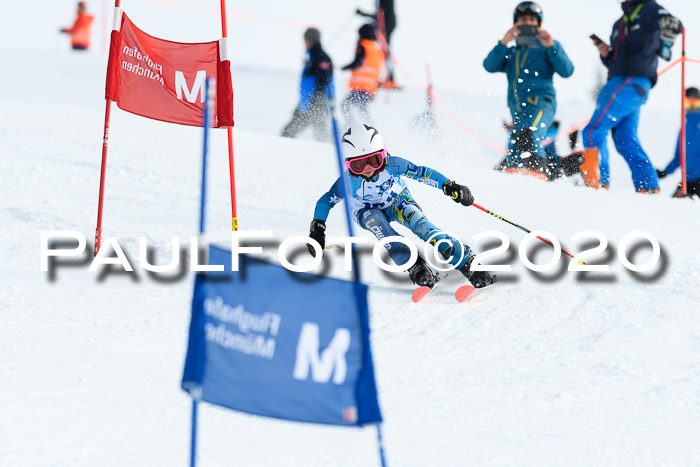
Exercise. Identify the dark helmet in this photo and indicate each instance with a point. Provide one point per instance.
(312, 35)
(528, 8)
(367, 32)
(693, 93)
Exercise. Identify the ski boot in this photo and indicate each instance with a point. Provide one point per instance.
(478, 279)
(421, 274)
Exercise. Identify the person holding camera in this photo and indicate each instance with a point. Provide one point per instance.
(643, 33)
(530, 66)
(692, 147)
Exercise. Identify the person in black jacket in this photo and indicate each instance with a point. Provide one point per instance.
(385, 21)
(316, 78)
(645, 31)
(386, 8)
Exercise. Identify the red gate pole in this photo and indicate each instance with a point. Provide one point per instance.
(684, 185)
(103, 168)
(229, 130)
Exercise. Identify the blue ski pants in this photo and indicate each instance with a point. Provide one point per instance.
(406, 212)
(537, 117)
(617, 109)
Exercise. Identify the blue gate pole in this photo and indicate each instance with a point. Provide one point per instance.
(343, 176)
(202, 211)
(380, 440)
(193, 439)
(348, 218)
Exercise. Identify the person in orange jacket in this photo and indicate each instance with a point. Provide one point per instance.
(364, 77)
(80, 31)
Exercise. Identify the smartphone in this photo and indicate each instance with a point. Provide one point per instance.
(527, 30)
(527, 35)
(596, 40)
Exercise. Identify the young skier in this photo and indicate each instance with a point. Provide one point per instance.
(379, 196)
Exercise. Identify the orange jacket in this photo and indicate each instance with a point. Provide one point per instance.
(366, 76)
(80, 31)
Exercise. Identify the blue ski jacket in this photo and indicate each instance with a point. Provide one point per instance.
(381, 191)
(692, 148)
(316, 77)
(530, 70)
(636, 41)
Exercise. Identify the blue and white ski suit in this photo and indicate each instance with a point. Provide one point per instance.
(384, 199)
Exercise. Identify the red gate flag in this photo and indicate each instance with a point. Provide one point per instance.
(164, 80)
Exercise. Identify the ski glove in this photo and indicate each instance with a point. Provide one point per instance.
(458, 193)
(318, 233)
(660, 173)
(669, 28)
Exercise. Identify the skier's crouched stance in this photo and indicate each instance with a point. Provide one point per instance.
(380, 196)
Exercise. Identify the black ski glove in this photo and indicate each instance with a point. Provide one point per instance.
(661, 173)
(318, 233)
(458, 193)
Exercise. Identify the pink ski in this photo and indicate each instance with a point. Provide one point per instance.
(465, 292)
(419, 293)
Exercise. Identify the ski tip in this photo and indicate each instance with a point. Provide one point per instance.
(464, 293)
(419, 293)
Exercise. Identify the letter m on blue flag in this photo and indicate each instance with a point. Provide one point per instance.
(291, 346)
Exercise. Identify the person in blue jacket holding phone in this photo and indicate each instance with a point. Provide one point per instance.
(530, 66)
(643, 33)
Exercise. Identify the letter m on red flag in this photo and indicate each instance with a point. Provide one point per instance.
(164, 80)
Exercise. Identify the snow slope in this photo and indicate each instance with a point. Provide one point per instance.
(537, 371)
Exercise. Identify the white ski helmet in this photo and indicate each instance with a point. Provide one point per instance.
(361, 140)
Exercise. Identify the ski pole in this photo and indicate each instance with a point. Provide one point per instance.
(524, 229)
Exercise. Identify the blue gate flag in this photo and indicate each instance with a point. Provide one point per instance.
(288, 345)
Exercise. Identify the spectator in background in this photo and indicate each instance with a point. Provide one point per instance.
(530, 66)
(692, 145)
(644, 31)
(385, 8)
(316, 78)
(80, 31)
(364, 77)
(385, 19)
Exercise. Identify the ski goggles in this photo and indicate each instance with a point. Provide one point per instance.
(692, 103)
(358, 165)
(527, 8)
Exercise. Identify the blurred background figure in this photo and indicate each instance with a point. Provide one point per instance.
(385, 20)
(645, 31)
(316, 78)
(80, 31)
(529, 66)
(364, 77)
(692, 146)
(385, 9)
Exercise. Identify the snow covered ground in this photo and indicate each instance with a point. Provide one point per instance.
(538, 371)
